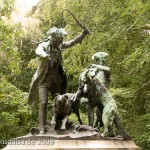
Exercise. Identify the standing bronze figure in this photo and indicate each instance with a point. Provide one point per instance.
(92, 86)
(50, 75)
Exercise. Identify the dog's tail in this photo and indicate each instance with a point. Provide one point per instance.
(119, 126)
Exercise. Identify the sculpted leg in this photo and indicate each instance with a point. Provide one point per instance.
(99, 122)
(76, 110)
(64, 121)
(105, 120)
(56, 86)
(43, 95)
(53, 121)
(109, 111)
(111, 132)
(79, 119)
(78, 116)
(90, 114)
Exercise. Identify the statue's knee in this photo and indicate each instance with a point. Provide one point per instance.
(43, 105)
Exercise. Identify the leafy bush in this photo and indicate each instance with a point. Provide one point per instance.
(15, 115)
(139, 128)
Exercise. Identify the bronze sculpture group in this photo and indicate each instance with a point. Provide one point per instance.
(93, 81)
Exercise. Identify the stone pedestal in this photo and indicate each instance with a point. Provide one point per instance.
(79, 138)
(47, 143)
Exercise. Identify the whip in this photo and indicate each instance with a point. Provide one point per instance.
(78, 23)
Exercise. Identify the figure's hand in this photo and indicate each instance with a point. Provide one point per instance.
(93, 65)
(86, 31)
(45, 55)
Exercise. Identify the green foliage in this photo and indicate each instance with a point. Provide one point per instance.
(10, 58)
(6, 7)
(140, 129)
(15, 115)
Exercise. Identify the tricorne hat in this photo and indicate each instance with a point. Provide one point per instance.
(100, 56)
(60, 33)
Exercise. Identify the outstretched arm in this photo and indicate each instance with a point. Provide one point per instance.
(76, 40)
(100, 67)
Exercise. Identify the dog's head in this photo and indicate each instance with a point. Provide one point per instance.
(61, 99)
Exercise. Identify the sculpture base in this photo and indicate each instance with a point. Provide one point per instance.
(45, 142)
(80, 138)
